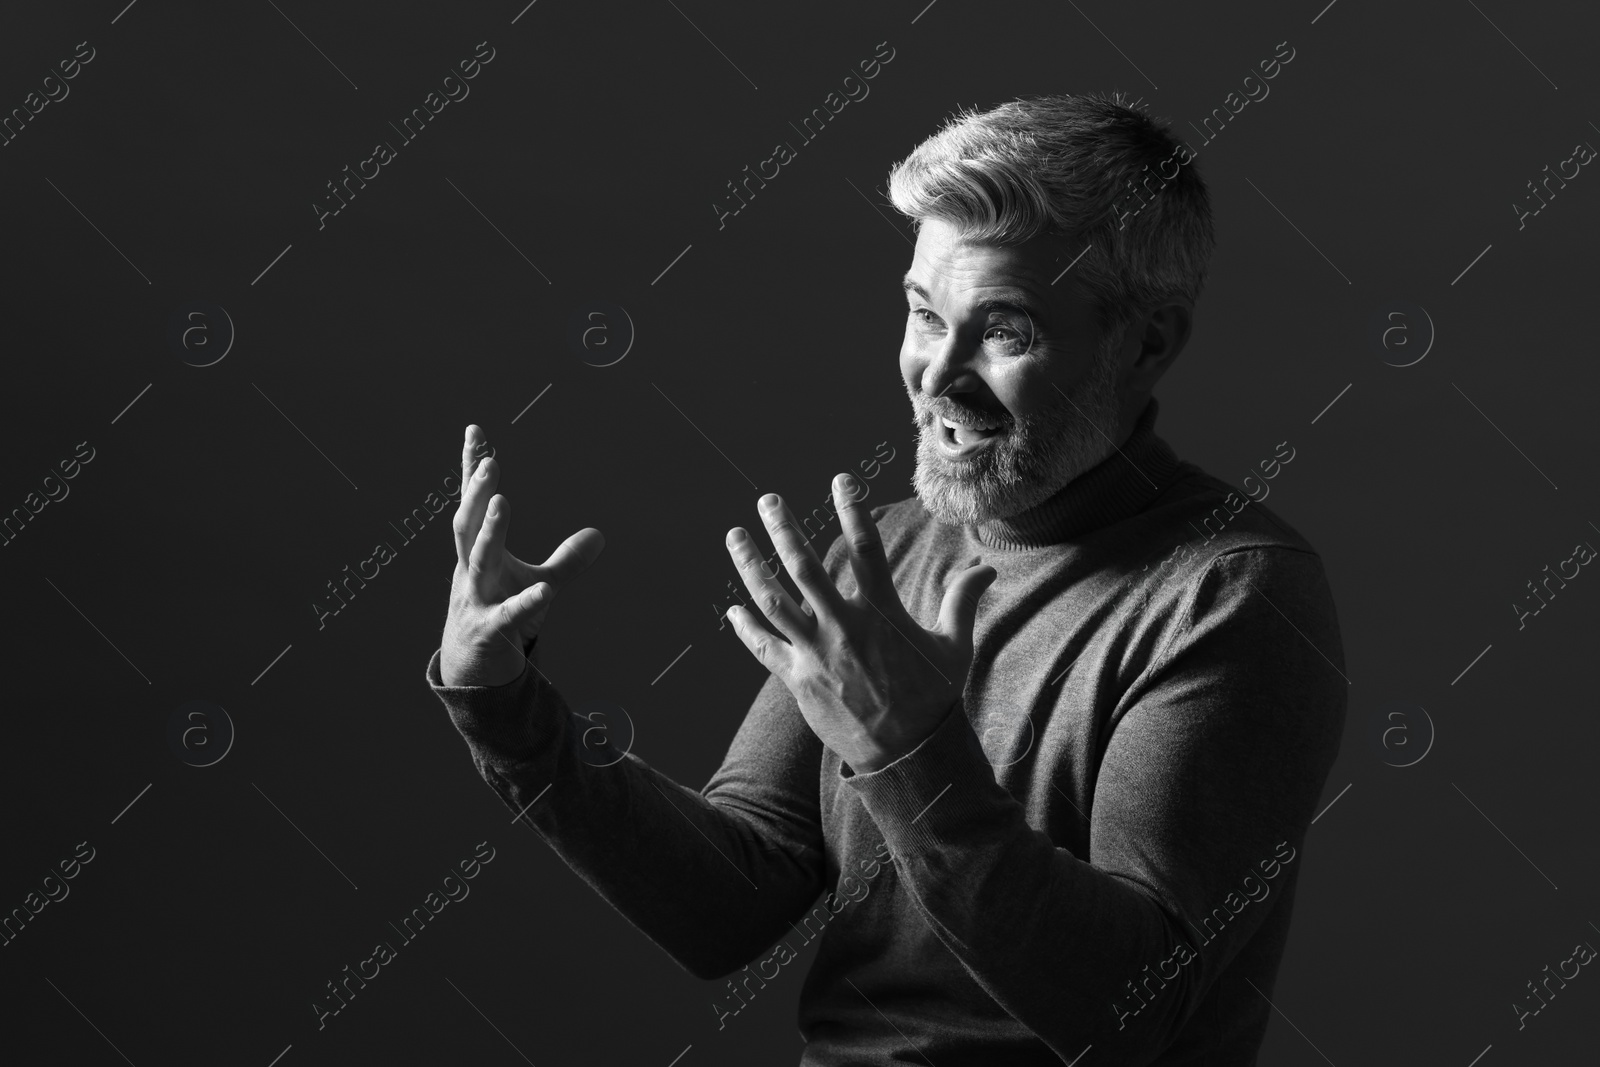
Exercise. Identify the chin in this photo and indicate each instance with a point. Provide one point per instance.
(976, 491)
(1019, 474)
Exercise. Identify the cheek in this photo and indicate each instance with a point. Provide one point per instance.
(911, 366)
(1023, 386)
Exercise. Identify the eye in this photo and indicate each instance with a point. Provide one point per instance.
(1006, 335)
(918, 313)
(1006, 341)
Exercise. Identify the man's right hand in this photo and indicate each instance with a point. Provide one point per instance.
(498, 602)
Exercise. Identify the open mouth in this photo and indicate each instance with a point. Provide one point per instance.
(960, 440)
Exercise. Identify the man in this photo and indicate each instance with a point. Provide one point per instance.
(1050, 733)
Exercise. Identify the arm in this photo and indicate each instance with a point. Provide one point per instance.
(1210, 778)
(712, 877)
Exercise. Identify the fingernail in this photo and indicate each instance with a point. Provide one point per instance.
(769, 502)
(735, 538)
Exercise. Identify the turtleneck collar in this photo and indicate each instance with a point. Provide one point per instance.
(1118, 486)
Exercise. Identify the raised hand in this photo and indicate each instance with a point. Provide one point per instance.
(497, 602)
(870, 681)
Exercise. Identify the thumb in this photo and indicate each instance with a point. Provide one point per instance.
(524, 612)
(573, 556)
(959, 612)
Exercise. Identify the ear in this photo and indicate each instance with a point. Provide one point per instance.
(1155, 341)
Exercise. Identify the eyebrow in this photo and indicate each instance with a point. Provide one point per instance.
(1006, 299)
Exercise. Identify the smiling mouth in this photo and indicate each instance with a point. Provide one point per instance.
(962, 440)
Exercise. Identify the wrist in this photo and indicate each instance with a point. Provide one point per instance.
(898, 743)
(481, 670)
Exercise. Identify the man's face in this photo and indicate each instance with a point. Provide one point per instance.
(992, 344)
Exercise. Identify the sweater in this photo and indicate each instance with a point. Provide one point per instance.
(1098, 846)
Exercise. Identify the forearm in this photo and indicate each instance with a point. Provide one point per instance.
(708, 883)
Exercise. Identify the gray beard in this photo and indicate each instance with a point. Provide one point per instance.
(1040, 454)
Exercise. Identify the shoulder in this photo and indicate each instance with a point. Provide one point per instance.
(1225, 516)
(1212, 529)
(1265, 609)
(1228, 568)
(1290, 580)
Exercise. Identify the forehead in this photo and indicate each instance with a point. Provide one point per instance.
(948, 268)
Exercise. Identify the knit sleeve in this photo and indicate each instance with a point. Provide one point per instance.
(1216, 758)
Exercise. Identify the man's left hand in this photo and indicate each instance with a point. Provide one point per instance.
(870, 681)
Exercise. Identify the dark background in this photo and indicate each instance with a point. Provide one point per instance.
(189, 551)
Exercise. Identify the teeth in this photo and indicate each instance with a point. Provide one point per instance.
(963, 426)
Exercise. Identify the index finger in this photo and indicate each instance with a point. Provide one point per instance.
(867, 560)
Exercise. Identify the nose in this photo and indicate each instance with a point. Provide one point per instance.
(949, 368)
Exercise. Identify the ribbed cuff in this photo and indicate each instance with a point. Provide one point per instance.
(936, 794)
(497, 721)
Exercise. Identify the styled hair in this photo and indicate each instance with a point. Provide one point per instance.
(1093, 168)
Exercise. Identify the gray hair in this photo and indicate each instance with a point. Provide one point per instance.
(1091, 167)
